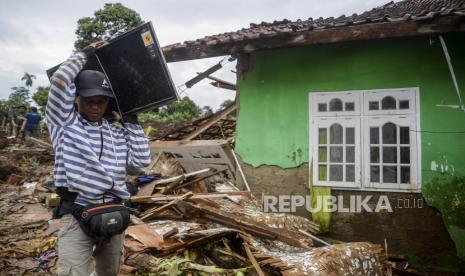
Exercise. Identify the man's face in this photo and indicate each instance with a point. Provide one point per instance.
(92, 108)
(22, 109)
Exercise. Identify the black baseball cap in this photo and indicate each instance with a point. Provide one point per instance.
(91, 83)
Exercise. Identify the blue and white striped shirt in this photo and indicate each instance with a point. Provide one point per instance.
(77, 143)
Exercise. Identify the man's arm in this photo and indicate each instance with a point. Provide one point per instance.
(137, 143)
(138, 146)
(61, 98)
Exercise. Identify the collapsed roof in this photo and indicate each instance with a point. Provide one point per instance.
(404, 18)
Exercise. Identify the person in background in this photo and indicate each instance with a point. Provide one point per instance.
(18, 120)
(31, 126)
(11, 121)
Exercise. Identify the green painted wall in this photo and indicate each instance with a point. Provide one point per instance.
(273, 125)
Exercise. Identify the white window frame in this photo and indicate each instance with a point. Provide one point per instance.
(345, 122)
(407, 116)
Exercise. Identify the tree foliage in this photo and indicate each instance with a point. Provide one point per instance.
(207, 111)
(28, 78)
(4, 107)
(19, 96)
(107, 23)
(178, 111)
(226, 104)
(185, 105)
(40, 97)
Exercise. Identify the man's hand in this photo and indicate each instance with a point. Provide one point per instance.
(98, 44)
(90, 49)
(117, 116)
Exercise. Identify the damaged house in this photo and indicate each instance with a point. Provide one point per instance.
(361, 105)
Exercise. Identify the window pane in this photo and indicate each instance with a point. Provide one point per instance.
(374, 174)
(322, 136)
(335, 173)
(374, 155)
(350, 173)
(335, 154)
(350, 135)
(404, 135)
(389, 154)
(322, 107)
(322, 172)
(350, 154)
(374, 135)
(373, 105)
(389, 134)
(335, 134)
(388, 103)
(389, 174)
(404, 174)
(405, 155)
(322, 154)
(403, 104)
(350, 106)
(335, 105)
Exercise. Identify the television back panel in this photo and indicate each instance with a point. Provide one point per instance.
(136, 69)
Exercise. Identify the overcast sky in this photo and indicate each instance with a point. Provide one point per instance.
(36, 35)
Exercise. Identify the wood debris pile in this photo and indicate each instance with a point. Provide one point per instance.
(199, 223)
(183, 223)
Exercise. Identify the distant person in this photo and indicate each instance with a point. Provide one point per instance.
(31, 125)
(11, 121)
(20, 118)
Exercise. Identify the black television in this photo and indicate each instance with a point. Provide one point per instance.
(137, 70)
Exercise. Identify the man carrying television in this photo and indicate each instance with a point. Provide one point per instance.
(91, 156)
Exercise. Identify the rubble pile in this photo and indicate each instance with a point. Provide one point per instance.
(193, 222)
(199, 222)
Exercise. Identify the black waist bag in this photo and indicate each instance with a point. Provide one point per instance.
(102, 221)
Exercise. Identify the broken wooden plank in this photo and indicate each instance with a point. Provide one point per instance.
(315, 238)
(146, 189)
(175, 178)
(171, 232)
(152, 212)
(197, 242)
(145, 235)
(222, 83)
(160, 198)
(135, 220)
(40, 143)
(154, 161)
(201, 178)
(243, 223)
(252, 260)
(171, 186)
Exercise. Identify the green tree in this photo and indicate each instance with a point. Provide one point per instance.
(185, 106)
(227, 103)
(40, 97)
(19, 96)
(28, 79)
(4, 107)
(107, 23)
(178, 111)
(207, 111)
